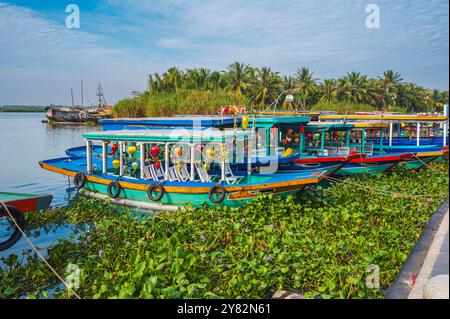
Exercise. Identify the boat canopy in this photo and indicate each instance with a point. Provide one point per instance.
(387, 117)
(186, 121)
(328, 126)
(168, 135)
(280, 121)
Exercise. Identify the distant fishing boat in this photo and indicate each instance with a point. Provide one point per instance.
(17, 204)
(168, 169)
(81, 114)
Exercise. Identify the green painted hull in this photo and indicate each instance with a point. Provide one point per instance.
(175, 199)
(372, 170)
(441, 159)
(329, 170)
(416, 164)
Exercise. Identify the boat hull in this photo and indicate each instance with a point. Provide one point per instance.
(27, 202)
(190, 193)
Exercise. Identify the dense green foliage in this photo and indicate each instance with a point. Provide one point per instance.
(202, 91)
(319, 243)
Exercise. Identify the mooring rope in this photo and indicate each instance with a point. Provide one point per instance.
(387, 193)
(38, 253)
(427, 166)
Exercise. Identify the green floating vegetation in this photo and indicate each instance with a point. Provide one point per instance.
(320, 243)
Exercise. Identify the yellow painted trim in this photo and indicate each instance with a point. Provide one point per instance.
(423, 118)
(190, 190)
(429, 154)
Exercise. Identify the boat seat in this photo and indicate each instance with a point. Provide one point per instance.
(343, 150)
(203, 174)
(230, 178)
(182, 173)
(368, 149)
(173, 177)
(158, 174)
(148, 174)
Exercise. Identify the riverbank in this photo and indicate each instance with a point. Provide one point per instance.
(15, 109)
(323, 244)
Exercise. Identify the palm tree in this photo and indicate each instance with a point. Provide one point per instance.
(266, 86)
(353, 87)
(328, 90)
(238, 77)
(215, 81)
(196, 78)
(306, 87)
(172, 79)
(154, 83)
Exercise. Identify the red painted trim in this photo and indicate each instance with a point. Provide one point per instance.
(25, 205)
(321, 159)
(378, 159)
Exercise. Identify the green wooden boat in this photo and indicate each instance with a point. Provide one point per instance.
(168, 169)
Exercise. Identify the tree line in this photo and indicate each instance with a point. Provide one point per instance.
(260, 87)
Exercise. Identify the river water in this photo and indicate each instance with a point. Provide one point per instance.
(24, 141)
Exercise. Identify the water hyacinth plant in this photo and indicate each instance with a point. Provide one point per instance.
(319, 244)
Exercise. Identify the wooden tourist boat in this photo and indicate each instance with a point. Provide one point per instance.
(426, 149)
(351, 137)
(17, 204)
(290, 135)
(167, 169)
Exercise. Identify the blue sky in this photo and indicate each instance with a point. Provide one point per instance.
(121, 41)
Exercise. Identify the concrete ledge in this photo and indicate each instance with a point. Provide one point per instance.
(436, 288)
(403, 284)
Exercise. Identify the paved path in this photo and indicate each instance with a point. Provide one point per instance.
(427, 260)
(427, 285)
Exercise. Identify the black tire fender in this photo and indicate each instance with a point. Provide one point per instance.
(214, 190)
(160, 192)
(20, 220)
(79, 180)
(116, 186)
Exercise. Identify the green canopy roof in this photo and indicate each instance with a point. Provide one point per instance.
(172, 135)
(283, 121)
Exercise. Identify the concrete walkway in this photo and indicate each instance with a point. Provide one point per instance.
(425, 274)
(433, 281)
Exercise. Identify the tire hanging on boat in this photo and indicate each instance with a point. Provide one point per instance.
(20, 220)
(117, 187)
(79, 180)
(214, 190)
(160, 192)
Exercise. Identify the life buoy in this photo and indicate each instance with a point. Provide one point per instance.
(20, 220)
(79, 180)
(214, 190)
(117, 187)
(152, 188)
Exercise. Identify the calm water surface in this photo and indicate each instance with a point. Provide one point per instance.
(24, 141)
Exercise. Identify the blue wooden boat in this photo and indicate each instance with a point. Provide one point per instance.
(177, 171)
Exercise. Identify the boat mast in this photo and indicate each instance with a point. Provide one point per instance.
(73, 101)
(82, 96)
(101, 97)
